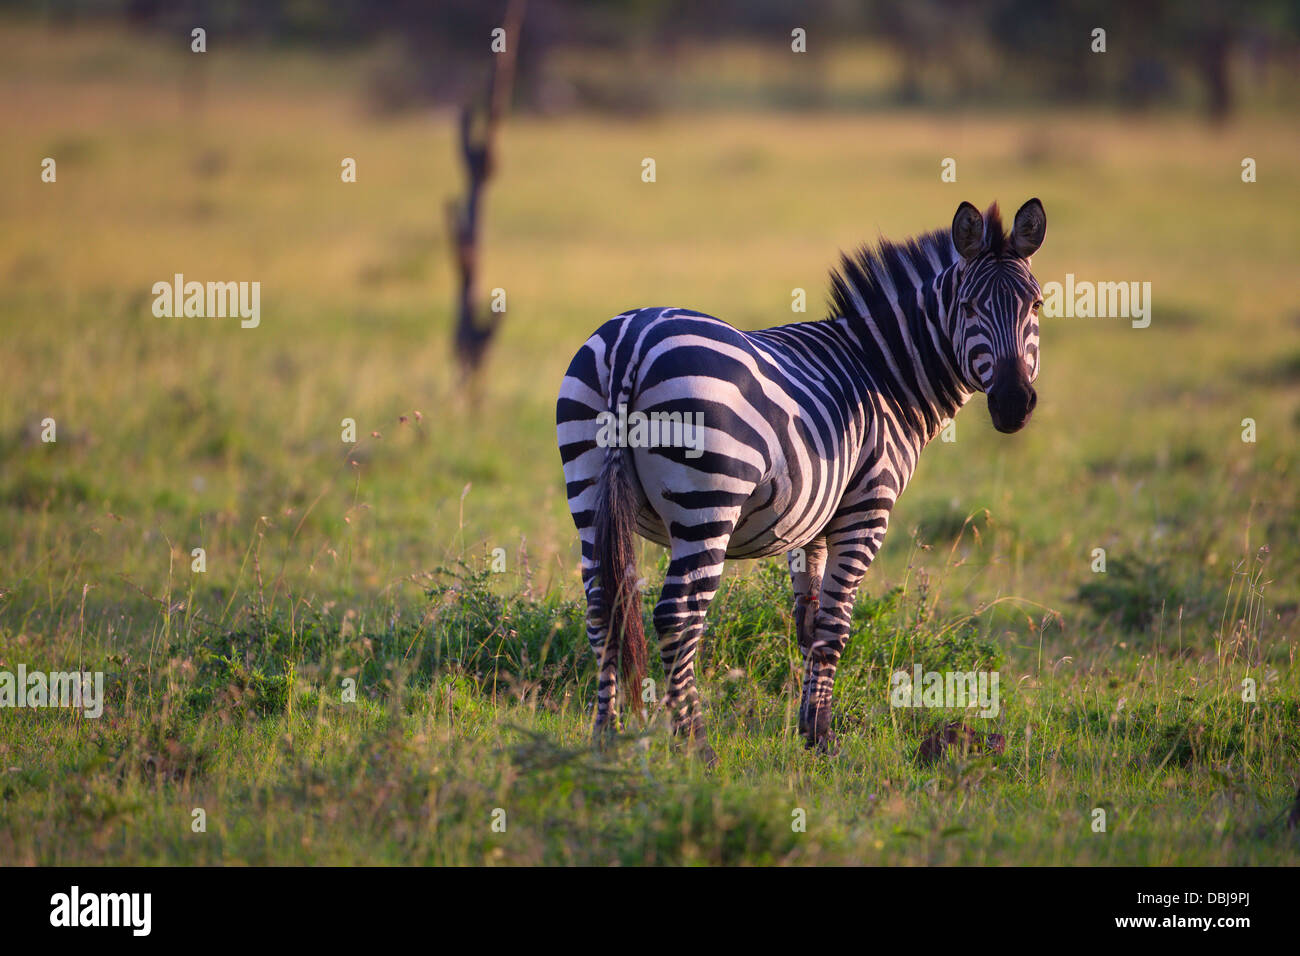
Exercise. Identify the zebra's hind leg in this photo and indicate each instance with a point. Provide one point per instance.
(694, 573)
(847, 562)
(606, 719)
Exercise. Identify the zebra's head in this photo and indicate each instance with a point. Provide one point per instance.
(997, 303)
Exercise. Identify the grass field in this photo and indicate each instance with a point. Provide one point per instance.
(327, 562)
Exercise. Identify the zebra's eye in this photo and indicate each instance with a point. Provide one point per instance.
(968, 310)
(1038, 305)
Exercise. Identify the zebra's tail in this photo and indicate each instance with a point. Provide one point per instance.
(616, 561)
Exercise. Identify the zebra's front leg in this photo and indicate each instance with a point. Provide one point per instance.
(692, 580)
(806, 566)
(846, 564)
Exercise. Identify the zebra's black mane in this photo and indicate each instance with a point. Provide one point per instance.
(863, 275)
(999, 242)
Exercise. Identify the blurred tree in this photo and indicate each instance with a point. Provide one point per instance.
(1149, 42)
(478, 126)
(962, 50)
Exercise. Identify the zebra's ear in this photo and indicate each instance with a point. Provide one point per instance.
(1029, 228)
(968, 231)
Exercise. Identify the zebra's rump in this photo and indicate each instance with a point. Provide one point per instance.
(717, 423)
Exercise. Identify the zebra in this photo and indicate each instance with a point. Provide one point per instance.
(811, 432)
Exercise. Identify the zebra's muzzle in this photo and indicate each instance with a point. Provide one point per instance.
(1011, 397)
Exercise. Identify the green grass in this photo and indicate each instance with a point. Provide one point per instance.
(327, 562)
(478, 706)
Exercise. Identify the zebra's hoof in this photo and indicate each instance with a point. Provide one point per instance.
(815, 725)
(704, 753)
(824, 745)
(693, 740)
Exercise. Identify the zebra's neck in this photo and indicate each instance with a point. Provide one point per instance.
(898, 302)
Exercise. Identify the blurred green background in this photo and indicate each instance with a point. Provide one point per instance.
(226, 166)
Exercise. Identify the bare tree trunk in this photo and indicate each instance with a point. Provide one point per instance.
(1215, 55)
(477, 145)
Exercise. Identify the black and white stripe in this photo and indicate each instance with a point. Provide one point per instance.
(812, 430)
